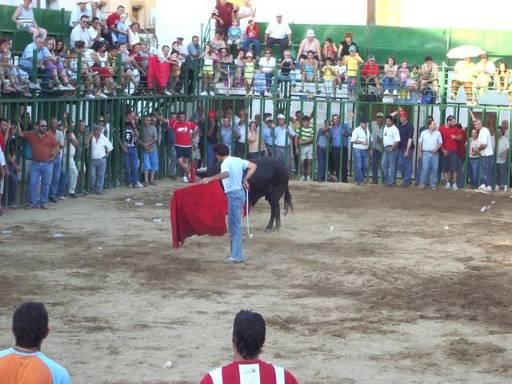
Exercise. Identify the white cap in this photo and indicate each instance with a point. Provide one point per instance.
(310, 33)
(281, 116)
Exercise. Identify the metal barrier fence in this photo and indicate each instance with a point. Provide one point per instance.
(77, 115)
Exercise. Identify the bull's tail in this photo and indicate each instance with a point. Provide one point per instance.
(288, 204)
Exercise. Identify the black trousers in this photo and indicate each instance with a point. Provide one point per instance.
(283, 44)
(336, 152)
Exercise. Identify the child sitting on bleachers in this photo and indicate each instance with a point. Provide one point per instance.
(390, 76)
(329, 74)
(239, 69)
(309, 70)
(234, 35)
(502, 77)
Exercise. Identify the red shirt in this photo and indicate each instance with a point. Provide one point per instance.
(253, 31)
(44, 147)
(370, 69)
(113, 20)
(249, 371)
(447, 132)
(182, 132)
(461, 144)
(225, 13)
(3, 144)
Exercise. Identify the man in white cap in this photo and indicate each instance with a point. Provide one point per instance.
(278, 32)
(80, 10)
(310, 43)
(283, 136)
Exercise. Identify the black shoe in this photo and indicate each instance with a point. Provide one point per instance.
(72, 195)
(53, 200)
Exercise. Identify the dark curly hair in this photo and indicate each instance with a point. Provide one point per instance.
(30, 324)
(249, 333)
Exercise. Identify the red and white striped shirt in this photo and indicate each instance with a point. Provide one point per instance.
(249, 372)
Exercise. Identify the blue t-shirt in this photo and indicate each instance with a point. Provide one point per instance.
(337, 135)
(235, 166)
(28, 53)
(234, 33)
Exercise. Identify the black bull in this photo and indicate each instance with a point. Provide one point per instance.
(270, 180)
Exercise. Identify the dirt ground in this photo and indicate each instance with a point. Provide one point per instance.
(361, 285)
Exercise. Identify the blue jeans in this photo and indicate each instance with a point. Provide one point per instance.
(360, 164)
(131, 166)
(389, 166)
(236, 201)
(486, 162)
(376, 160)
(460, 173)
(40, 172)
(12, 185)
(389, 83)
(474, 171)
(210, 156)
(63, 184)
(405, 166)
(321, 157)
(502, 170)
(429, 169)
(98, 167)
(255, 43)
(57, 162)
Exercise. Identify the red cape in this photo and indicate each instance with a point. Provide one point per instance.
(199, 209)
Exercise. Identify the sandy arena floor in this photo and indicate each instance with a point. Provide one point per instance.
(361, 285)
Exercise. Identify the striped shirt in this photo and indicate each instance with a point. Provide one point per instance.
(30, 368)
(306, 134)
(249, 372)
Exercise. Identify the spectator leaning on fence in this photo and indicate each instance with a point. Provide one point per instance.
(429, 144)
(376, 145)
(360, 143)
(100, 149)
(306, 138)
(149, 143)
(44, 149)
(322, 141)
(390, 141)
(449, 164)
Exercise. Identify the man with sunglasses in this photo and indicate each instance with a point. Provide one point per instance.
(44, 150)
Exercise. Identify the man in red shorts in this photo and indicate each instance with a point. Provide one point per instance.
(246, 367)
(184, 131)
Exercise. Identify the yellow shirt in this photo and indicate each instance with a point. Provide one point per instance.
(329, 72)
(352, 63)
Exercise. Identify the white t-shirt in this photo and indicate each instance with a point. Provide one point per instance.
(484, 137)
(267, 66)
(390, 135)
(360, 134)
(278, 31)
(235, 166)
(503, 146)
(2, 158)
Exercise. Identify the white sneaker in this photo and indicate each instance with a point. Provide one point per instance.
(302, 178)
(386, 92)
(505, 188)
(395, 92)
(308, 178)
(447, 186)
(212, 93)
(70, 87)
(454, 187)
(488, 188)
(101, 95)
(482, 187)
(60, 87)
(168, 93)
(90, 96)
(185, 179)
(204, 93)
(138, 185)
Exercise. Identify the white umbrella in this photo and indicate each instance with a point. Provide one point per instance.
(464, 51)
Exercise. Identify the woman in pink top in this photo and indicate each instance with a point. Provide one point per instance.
(310, 44)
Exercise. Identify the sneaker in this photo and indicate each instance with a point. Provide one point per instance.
(386, 92)
(421, 186)
(447, 186)
(60, 87)
(185, 179)
(61, 198)
(482, 187)
(212, 93)
(308, 178)
(69, 87)
(434, 187)
(138, 185)
(454, 187)
(72, 195)
(302, 178)
(52, 199)
(204, 93)
(505, 188)
(395, 92)
(31, 206)
(90, 96)
(101, 95)
(232, 260)
(168, 93)
(43, 206)
(488, 188)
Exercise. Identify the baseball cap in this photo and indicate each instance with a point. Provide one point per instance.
(212, 114)
(379, 114)
(310, 33)
(352, 48)
(371, 57)
(281, 116)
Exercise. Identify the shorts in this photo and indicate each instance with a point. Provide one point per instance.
(183, 152)
(151, 161)
(26, 26)
(306, 152)
(449, 162)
